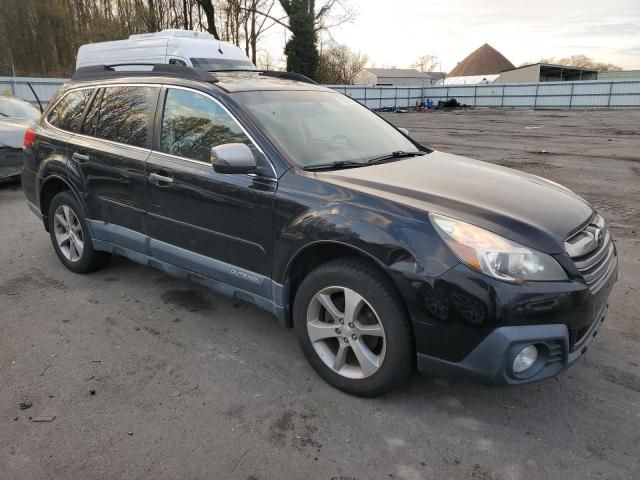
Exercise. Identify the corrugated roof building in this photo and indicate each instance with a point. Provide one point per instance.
(620, 75)
(395, 77)
(547, 72)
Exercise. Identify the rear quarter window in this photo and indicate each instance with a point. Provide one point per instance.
(125, 115)
(67, 113)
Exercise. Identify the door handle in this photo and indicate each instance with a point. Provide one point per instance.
(80, 157)
(160, 180)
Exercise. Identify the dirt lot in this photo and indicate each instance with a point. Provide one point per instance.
(188, 384)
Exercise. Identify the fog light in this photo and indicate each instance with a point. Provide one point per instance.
(525, 359)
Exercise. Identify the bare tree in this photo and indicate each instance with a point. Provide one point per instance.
(338, 64)
(210, 14)
(258, 23)
(266, 61)
(185, 15)
(581, 61)
(426, 63)
(334, 13)
(586, 62)
(43, 36)
(152, 21)
(330, 14)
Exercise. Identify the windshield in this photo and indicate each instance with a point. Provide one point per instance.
(315, 128)
(210, 64)
(15, 108)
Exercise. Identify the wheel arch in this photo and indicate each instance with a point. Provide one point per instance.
(312, 255)
(49, 188)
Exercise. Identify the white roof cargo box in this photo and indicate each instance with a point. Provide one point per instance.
(182, 47)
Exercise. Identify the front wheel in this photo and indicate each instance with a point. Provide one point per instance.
(353, 328)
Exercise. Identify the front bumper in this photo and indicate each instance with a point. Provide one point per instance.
(490, 362)
(468, 324)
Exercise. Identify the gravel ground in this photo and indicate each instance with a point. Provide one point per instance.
(150, 377)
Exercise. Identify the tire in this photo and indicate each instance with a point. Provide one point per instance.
(76, 259)
(391, 346)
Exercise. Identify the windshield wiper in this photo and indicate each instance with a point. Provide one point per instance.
(393, 156)
(336, 164)
(372, 161)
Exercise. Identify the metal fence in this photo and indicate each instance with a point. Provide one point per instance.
(584, 94)
(45, 88)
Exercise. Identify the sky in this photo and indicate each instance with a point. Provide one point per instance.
(397, 32)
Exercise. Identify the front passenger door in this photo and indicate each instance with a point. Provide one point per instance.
(218, 225)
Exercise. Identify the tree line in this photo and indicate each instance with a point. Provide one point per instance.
(42, 37)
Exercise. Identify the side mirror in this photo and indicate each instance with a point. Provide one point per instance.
(405, 131)
(233, 158)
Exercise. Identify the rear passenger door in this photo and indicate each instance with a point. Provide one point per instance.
(108, 158)
(226, 220)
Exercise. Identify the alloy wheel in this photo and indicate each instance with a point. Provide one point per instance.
(346, 332)
(68, 233)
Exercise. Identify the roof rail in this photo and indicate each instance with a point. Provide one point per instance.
(272, 73)
(98, 72)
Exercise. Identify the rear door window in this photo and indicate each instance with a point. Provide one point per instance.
(192, 124)
(125, 115)
(67, 114)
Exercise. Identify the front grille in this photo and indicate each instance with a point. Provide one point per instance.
(593, 253)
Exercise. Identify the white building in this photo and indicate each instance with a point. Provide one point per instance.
(394, 77)
(546, 72)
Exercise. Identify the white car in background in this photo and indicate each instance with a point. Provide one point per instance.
(15, 117)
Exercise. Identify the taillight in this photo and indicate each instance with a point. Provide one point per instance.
(29, 138)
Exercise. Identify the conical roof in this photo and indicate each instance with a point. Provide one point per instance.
(484, 61)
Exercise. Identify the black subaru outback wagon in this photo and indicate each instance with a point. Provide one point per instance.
(382, 254)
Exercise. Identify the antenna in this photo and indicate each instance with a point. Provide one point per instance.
(220, 49)
(36, 96)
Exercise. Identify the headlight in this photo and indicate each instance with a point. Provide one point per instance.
(494, 255)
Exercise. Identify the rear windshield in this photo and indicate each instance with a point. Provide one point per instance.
(14, 108)
(211, 64)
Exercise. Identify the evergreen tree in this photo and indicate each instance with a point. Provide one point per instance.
(301, 49)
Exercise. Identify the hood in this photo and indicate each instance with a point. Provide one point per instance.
(12, 131)
(521, 207)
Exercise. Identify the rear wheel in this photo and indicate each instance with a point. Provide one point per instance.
(353, 328)
(69, 235)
